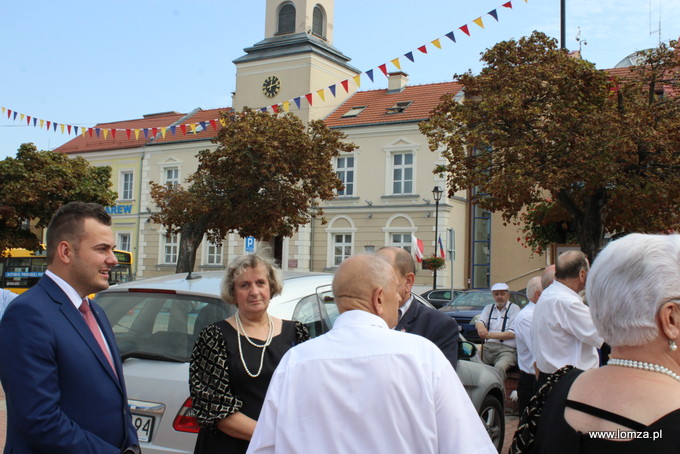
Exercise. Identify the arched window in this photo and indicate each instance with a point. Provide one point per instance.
(318, 22)
(286, 19)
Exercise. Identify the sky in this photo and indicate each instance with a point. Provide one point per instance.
(83, 62)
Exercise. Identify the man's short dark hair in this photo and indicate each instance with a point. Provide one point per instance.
(570, 263)
(67, 223)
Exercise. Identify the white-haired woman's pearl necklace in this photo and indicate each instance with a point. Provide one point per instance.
(239, 330)
(643, 366)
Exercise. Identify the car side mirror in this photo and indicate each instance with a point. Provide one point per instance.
(466, 350)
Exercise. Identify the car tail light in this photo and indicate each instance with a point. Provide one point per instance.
(185, 420)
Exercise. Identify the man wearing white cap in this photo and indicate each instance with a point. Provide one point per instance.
(495, 328)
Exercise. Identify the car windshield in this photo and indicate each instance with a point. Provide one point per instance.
(157, 325)
(471, 300)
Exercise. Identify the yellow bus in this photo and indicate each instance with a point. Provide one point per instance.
(21, 269)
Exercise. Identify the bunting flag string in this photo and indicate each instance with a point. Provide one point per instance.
(276, 108)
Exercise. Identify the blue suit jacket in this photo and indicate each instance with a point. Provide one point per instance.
(436, 326)
(62, 396)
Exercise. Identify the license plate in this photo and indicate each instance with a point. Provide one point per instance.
(144, 426)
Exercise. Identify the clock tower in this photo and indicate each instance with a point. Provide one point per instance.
(295, 58)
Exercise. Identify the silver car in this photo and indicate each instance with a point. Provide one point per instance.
(156, 322)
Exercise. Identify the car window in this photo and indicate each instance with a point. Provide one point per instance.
(310, 312)
(160, 325)
(519, 299)
(440, 295)
(473, 299)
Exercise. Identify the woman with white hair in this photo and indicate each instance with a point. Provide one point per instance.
(633, 403)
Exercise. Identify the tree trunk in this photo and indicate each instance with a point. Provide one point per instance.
(591, 227)
(191, 236)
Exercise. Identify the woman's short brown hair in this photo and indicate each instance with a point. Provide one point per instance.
(243, 262)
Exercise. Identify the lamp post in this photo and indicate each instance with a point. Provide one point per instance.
(437, 195)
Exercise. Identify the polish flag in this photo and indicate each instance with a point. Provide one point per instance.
(442, 254)
(417, 247)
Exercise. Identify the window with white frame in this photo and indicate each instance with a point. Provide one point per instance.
(171, 176)
(124, 242)
(402, 240)
(342, 247)
(170, 249)
(402, 173)
(126, 179)
(344, 168)
(213, 254)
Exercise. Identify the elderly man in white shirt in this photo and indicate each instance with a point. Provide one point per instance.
(495, 327)
(526, 387)
(365, 388)
(562, 330)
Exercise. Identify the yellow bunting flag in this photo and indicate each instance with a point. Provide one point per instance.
(21, 117)
(83, 130)
(321, 94)
(357, 80)
(163, 132)
(396, 63)
(436, 43)
(42, 122)
(136, 134)
(4, 109)
(286, 106)
(61, 126)
(479, 22)
(193, 127)
(106, 133)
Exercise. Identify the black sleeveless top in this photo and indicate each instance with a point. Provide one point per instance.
(556, 436)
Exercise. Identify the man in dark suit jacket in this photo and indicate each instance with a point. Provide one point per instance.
(63, 395)
(415, 317)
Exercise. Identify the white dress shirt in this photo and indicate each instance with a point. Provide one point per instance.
(363, 388)
(563, 331)
(522, 325)
(498, 320)
(5, 298)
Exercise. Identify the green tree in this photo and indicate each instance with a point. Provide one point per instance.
(265, 179)
(537, 124)
(35, 183)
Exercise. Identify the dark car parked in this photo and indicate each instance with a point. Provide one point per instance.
(440, 297)
(468, 305)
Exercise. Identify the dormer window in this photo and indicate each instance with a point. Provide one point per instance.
(354, 111)
(318, 22)
(398, 107)
(286, 19)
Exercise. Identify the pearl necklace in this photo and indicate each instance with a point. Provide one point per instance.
(643, 366)
(239, 328)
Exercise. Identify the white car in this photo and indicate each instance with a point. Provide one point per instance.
(156, 322)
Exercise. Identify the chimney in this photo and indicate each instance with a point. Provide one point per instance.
(396, 82)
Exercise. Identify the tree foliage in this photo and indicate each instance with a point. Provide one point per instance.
(265, 179)
(537, 124)
(35, 183)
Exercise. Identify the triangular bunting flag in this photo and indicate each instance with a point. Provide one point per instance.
(396, 63)
(49, 123)
(75, 130)
(465, 29)
(369, 73)
(309, 98)
(21, 117)
(154, 131)
(9, 113)
(61, 127)
(275, 108)
(69, 129)
(494, 14)
(28, 120)
(357, 80)
(213, 123)
(127, 133)
(163, 131)
(54, 126)
(479, 22)
(173, 128)
(183, 128)
(263, 110)
(4, 109)
(97, 131)
(193, 127)
(321, 94)
(423, 49)
(286, 106)
(331, 88)
(146, 133)
(84, 131)
(345, 85)
(106, 133)
(136, 134)
(383, 68)
(113, 133)
(35, 120)
(436, 43)
(297, 102)
(204, 125)
(42, 122)
(409, 55)
(507, 5)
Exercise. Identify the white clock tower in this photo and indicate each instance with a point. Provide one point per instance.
(295, 58)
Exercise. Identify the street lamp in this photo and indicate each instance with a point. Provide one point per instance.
(437, 195)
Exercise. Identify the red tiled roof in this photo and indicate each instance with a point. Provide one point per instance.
(423, 98)
(212, 125)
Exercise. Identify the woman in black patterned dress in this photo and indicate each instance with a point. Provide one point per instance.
(233, 360)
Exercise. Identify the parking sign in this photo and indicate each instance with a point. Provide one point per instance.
(250, 244)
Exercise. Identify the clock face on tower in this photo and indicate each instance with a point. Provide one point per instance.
(271, 86)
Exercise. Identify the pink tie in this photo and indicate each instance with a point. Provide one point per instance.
(92, 324)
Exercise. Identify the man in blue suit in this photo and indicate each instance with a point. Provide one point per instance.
(64, 388)
(415, 317)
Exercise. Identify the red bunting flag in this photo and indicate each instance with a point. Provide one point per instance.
(423, 49)
(465, 30)
(127, 133)
(68, 127)
(345, 85)
(28, 120)
(383, 68)
(507, 5)
(9, 113)
(90, 132)
(183, 128)
(309, 98)
(213, 123)
(275, 108)
(154, 131)
(113, 133)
